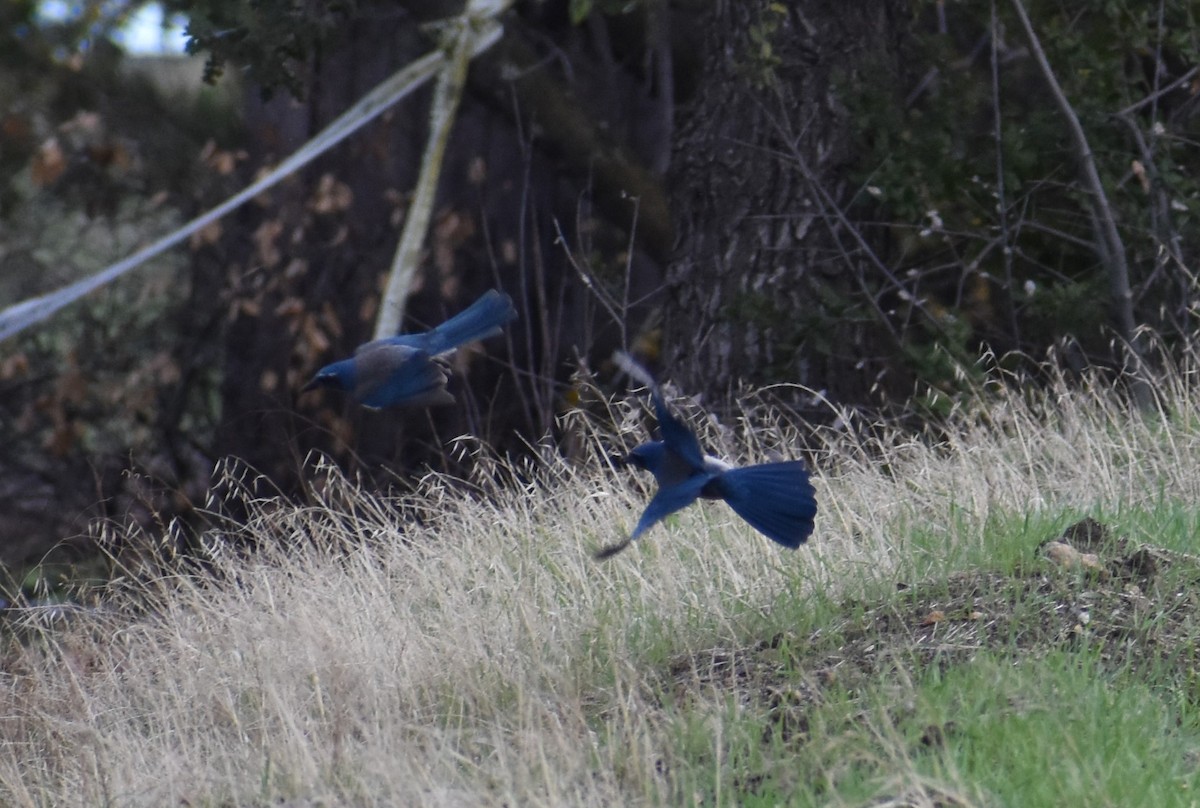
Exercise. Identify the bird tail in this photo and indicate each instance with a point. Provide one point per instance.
(777, 499)
(482, 319)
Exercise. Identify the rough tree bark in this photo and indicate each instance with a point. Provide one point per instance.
(761, 250)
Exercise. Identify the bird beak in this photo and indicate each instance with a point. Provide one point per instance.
(313, 384)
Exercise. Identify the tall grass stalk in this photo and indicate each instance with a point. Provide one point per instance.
(457, 645)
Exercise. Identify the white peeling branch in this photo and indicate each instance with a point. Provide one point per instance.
(20, 316)
(475, 24)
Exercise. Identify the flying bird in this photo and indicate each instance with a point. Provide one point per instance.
(402, 370)
(777, 499)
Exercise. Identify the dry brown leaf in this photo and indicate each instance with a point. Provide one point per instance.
(48, 164)
(85, 122)
(296, 268)
(72, 386)
(248, 308)
(15, 128)
(165, 369)
(934, 617)
(290, 307)
(14, 366)
(451, 231)
(264, 199)
(221, 161)
(206, 236)
(1139, 171)
(477, 171)
(331, 195)
(314, 338)
(63, 437)
(368, 309)
(329, 321)
(264, 238)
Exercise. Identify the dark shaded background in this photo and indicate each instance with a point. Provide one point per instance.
(742, 193)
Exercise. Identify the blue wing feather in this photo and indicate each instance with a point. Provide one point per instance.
(482, 319)
(667, 501)
(679, 439)
(388, 375)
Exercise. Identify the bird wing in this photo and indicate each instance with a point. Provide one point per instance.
(668, 500)
(388, 375)
(673, 468)
(482, 319)
(777, 499)
(678, 438)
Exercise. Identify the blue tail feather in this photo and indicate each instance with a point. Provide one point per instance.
(482, 319)
(777, 499)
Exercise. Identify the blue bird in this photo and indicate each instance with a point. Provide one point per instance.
(401, 370)
(777, 499)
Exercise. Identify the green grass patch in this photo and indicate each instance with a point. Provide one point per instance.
(1017, 681)
(1053, 729)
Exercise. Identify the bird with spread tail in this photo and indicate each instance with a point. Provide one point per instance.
(776, 499)
(402, 370)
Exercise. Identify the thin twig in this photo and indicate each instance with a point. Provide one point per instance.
(1160, 209)
(1159, 93)
(1108, 237)
(1001, 201)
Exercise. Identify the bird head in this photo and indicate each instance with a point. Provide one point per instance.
(339, 376)
(648, 456)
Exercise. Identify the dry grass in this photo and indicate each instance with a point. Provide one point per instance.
(458, 646)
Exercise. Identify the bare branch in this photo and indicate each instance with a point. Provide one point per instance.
(1112, 248)
(446, 96)
(1001, 201)
(1160, 92)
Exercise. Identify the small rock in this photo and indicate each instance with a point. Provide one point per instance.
(1067, 557)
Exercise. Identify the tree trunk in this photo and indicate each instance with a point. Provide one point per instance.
(764, 259)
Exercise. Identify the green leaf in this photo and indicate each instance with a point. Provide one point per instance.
(579, 10)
